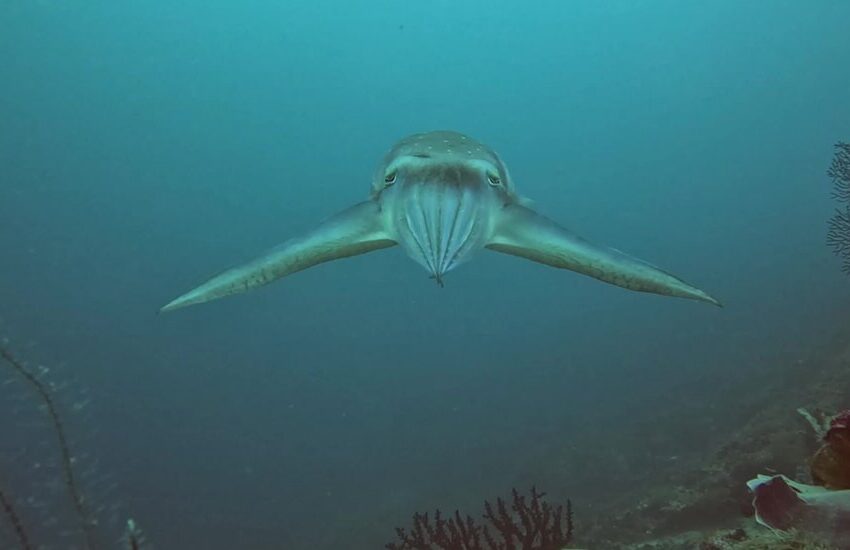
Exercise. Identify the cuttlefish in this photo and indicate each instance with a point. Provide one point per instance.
(442, 196)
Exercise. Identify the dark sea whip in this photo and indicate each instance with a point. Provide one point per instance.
(9, 509)
(86, 525)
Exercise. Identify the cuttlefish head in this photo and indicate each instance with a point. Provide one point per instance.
(440, 194)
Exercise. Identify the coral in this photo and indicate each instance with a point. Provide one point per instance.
(838, 237)
(453, 533)
(9, 510)
(91, 530)
(818, 420)
(783, 504)
(529, 525)
(830, 465)
(134, 536)
(86, 522)
(756, 431)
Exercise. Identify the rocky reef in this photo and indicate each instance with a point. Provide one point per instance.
(705, 500)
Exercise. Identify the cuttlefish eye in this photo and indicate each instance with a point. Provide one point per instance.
(494, 180)
(389, 179)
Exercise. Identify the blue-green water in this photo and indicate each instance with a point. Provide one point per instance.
(147, 145)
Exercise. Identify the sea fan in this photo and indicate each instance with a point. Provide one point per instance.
(838, 237)
(527, 524)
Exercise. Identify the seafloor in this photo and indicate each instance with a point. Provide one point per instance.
(702, 501)
(675, 478)
(673, 475)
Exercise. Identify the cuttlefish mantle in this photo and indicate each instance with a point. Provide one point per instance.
(442, 196)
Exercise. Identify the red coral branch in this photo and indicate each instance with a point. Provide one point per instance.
(528, 525)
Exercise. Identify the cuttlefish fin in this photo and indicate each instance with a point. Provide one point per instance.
(523, 232)
(354, 231)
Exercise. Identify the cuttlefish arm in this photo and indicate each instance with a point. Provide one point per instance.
(525, 233)
(354, 231)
